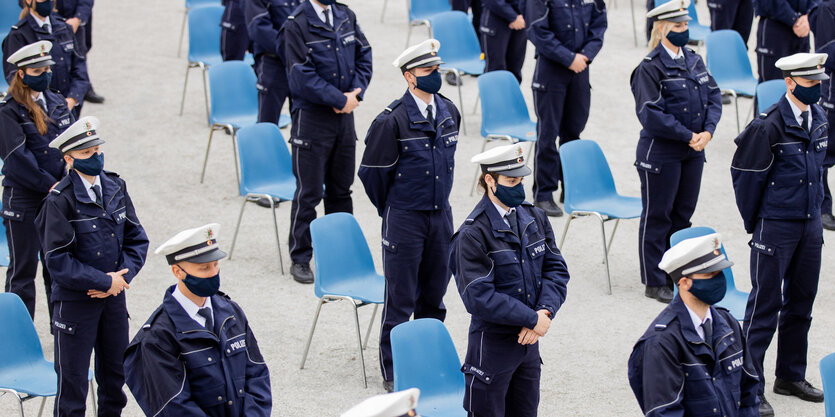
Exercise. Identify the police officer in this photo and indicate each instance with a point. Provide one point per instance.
(503, 37)
(512, 280)
(692, 359)
(567, 34)
(475, 8)
(79, 16)
(329, 67)
(94, 247)
(783, 30)
(31, 116)
(196, 355)
(737, 15)
(776, 172)
(69, 74)
(407, 171)
(234, 39)
(678, 105)
(820, 21)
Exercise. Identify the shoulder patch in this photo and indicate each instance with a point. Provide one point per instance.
(664, 320)
(61, 184)
(527, 203)
(393, 104)
(652, 54)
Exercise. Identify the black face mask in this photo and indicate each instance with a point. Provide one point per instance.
(43, 9)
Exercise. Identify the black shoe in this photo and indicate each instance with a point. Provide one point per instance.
(828, 221)
(388, 386)
(265, 202)
(549, 207)
(662, 293)
(800, 389)
(302, 273)
(451, 79)
(765, 408)
(92, 97)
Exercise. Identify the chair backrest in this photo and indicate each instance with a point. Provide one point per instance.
(769, 92)
(828, 378)
(9, 15)
(20, 344)
(424, 357)
(4, 243)
(502, 102)
(340, 252)
(697, 231)
(264, 156)
(232, 90)
(456, 35)
(197, 3)
(204, 33)
(586, 174)
(727, 57)
(420, 9)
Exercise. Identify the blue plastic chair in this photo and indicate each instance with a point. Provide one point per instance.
(344, 271)
(698, 31)
(827, 368)
(727, 62)
(234, 103)
(769, 92)
(420, 11)
(203, 45)
(266, 172)
(4, 243)
(504, 113)
(24, 372)
(735, 300)
(590, 191)
(190, 4)
(9, 15)
(459, 48)
(424, 357)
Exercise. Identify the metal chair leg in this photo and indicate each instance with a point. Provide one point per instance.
(95, 406)
(383, 12)
(40, 410)
(182, 33)
(237, 227)
(273, 206)
(612, 237)
(359, 342)
(205, 91)
(185, 85)
(312, 328)
(736, 107)
(235, 154)
(460, 100)
(206, 159)
(19, 403)
(565, 230)
(370, 325)
(477, 101)
(634, 26)
(605, 251)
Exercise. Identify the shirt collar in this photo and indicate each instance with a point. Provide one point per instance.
(502, 212)
(697, 322)
(320, 11)
(796, 111)
(422, 105)
(672, 54)
(87, 185)
(40, 97)
(41, 22)
(189, 306)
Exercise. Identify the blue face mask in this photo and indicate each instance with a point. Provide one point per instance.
(679, 38)
(327, 2)
(37, 83)
(430, 83)
(711, 290)
(43, 9)
(807, 95)
(510, 196)
(91, 166)
(201, 287)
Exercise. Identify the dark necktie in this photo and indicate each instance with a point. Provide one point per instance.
(327, 13)
(206, 313)
(429, 116)
(707, 326)
(511, 218)
(804, 120)
(680, 61)
(42, 103)
(97, 191)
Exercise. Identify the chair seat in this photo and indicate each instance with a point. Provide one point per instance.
(367, 288)
(283, 190)
(473, 66)
(614, 206)
(742, 86)
(698, 32)
(735, 301)
(523, 131)
(442, 405)
(236, 120)
(37, 379)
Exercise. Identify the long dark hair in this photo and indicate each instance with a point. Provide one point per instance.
(23, 95)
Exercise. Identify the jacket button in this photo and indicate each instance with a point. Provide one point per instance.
(686, 374)
(94, 226)
(437, 177)
(329, 46)
(210, 359)
(337, 49)
(334, 74)
(115, 262)
(523, 261)
(519, 290)
(487, 378)
(230, 403)
(113, 235)
(569, 26)
(427, 172)
(44, 152)
(715, 410)
(436, 207)
(426, 145)
(98, 253)
(70, 329)
(405, 148)
(219, 398)
(228, 351)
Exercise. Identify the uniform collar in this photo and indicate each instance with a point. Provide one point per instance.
(221, 310)
(670, 52)
(790, 119)
(797, 112)
(311, 11)
(109, 188)
(697, 322)
(320, 11)
(666, 58)
(416, 115)
(190, 308)
(40, 22)
(422, 105)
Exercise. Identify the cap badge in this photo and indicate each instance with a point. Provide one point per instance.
(519, 151)
(210, 234)
(519, 159)
(43, 47)
(716, 243)
(87, 125)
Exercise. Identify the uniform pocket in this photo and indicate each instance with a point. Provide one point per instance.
(60, 325)
(200, 358)
(762, 248)
(13, 215)
(647, 166)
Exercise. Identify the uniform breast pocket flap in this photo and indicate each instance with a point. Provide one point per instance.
(504, 258)
(477, 373)
(236, 345)
(789, 149)
(415, 145)
(762, 248)
(200, 358)
(674, 85)
(63, 326)
(537, 249)
(86, 226)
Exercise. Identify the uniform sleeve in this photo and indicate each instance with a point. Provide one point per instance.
(554, 274)
(84, 10)
(301, 71)
(258, 399)
(820, 19)
(20, 164)
(58, 242)
(650, 106)
(474, 275)
(362, 62)
(541, 35)
(260, 27)
(596, 30)
(750, 167)
(79, 79)
(13, 41)
(714, 102)
(779, 10)
(135, 243)
(663, 379)
(502, 9)
(157, 377)
(379, 160)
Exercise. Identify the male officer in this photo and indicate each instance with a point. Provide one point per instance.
(503, 37)
(776, 173)
(94, 246)
(692, 359)
(783, 30)
(737, 15)
(820, 21)
(329, 67)
(264, 19)
(567, 34)
(234, 39)
(196, 355)
(407, 171)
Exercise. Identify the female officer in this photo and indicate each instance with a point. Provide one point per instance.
(69, 74)
(678, 105)
(94, 246)
(512, 279)
(30, 117)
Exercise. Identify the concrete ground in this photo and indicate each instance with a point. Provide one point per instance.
(134, 64)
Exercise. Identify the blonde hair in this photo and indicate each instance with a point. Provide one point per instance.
(660, 29)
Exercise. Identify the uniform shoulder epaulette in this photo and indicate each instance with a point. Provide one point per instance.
(61, 184)
(527, 203)
(393, 104)
(769, 110)
(223, 295)
(664, 320)
(651, 55)
(110, 173)
(295, 13)
(20, 23)
(690, 49)
(58, 17)
(152, 318)
(475, 213)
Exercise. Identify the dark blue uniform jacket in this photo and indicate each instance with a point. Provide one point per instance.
(777, 168)
(177, 368)
(69, 74)
(82, 9)
(29, 164)
(821, 20)
(323, 62)
(83, 241)
(233, 14)
(784, 11)
(505, 10)
(409, 164)
(673, 102)
(673, 372)
(264, 19)
(503, 279)
(561, 28)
